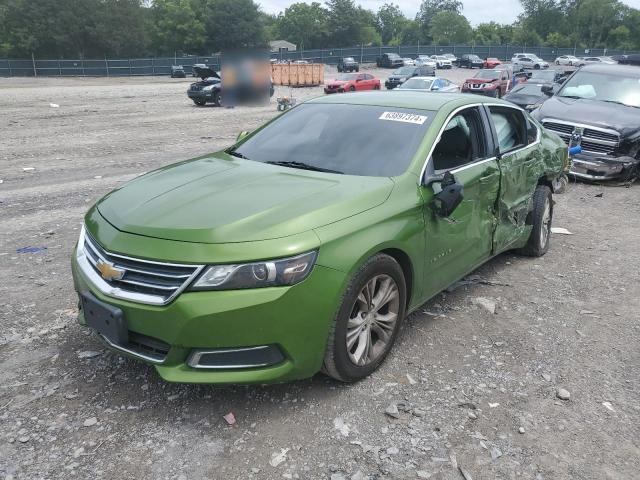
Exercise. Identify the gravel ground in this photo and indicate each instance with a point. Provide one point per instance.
(466, 390)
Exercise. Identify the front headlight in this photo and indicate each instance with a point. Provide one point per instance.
(532, 106)
(273, 273)
(207, 88)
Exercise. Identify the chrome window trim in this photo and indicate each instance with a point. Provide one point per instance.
(115, 292)
(453, 114)
(120, 348)
(194, 358)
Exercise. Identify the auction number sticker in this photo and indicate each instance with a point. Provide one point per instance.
(403, 117)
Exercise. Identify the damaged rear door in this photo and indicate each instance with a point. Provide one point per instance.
(519, 158)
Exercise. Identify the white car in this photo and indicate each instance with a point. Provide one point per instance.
(451, 57)
(528, 60)
(429, 84)
(441, 61)
(425, 60)
(567, 60)
(600, 60)
(409, 62)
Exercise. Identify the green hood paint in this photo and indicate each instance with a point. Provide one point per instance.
(216, 200)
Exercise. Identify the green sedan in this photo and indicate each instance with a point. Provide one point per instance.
(302, 247)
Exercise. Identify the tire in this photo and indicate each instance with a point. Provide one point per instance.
(540, 217)
(217, 99)
(358, 69)
(376, 87)
(352, 88)
(200, 103)
(380, 271)
(571, 64)
(536, 66)
(557, 62)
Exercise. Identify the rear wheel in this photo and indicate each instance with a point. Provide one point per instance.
(368, 320)
(376, 86)
(536, 67)
(557, 62)
(540, 218)
(352, 88)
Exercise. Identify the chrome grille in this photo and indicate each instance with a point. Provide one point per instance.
(594, 140)
(144, 281)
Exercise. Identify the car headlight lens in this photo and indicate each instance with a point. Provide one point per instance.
(273, 273)
(532, 106)
(207, 88)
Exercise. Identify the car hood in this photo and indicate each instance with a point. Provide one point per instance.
(479, 80)
(215, 200)
(205, 72)
(339, 82)
(592, 112)
(522, 99)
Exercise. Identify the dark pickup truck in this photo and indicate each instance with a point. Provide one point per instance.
(348, 64)
(598, 108)
(389, 60)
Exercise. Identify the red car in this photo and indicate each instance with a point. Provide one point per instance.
(493, 83)
(491, 62)
(350, 82)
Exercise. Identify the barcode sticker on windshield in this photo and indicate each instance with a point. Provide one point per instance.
(403, 117)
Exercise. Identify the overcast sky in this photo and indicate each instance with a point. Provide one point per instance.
(476, 11)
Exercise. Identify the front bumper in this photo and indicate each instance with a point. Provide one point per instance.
(333, 90)
(487, 92)
(594, 168)
(200, 94)
(391, 83)
(291, 320)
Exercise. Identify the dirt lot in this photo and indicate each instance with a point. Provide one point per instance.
(475, 390)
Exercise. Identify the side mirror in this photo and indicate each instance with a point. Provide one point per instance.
(450, 195)
(241, 135)
(435, 88)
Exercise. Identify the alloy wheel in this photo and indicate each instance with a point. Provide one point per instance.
(545, 227)
(373, 320)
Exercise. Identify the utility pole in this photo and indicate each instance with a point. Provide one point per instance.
(33, 62)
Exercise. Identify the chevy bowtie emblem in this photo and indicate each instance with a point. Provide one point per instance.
(108, 271)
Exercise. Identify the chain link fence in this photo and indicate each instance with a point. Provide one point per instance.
(162, 65)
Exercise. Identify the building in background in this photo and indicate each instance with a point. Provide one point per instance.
(282, 46)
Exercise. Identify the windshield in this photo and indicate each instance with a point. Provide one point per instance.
(488, 75)
(345, 77)
(348, 59)
(604, 87)
(547, 76)
(404, 71)
(418, 83)
(473, 57)
(607, 59)
(393, 55)
(361, 140)
(528, 89)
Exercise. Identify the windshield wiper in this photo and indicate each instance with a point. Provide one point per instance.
(233, 152)
(571, 96)
(305, 166)
(620, 103)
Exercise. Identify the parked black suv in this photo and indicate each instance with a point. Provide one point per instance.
(469, 60)
(177, 71)
(348, 64)
(208, 89)
(404, 73)
(389, 60)
(598, 107)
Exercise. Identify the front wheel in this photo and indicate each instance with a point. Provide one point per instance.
(200, 103)
(376, 87)
(217, 99)
(352, 88)
(536, 67)
(368, 320)
(540, 218)
(557, 62)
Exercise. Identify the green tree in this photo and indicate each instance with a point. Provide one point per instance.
(556, 39)
(429, 9)
(347, 23)
(524, 36)
(543, 16)
(390, 22)
(304, 24)
(233, 24)
(492, 33)
(450, 28)
(175, 27)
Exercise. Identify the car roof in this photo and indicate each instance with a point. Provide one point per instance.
(407, 99)
(613, 69)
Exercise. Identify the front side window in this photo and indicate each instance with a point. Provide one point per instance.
(461, 142)
(510, 128)
(532, 131)
(363, 140)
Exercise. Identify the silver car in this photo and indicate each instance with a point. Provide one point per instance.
(429, 84)
(596, 60)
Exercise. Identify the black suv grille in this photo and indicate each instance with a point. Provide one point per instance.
(593, 140)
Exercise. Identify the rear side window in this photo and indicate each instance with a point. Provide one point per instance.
(511, 128)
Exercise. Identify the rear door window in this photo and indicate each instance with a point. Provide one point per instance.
(511, 128)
